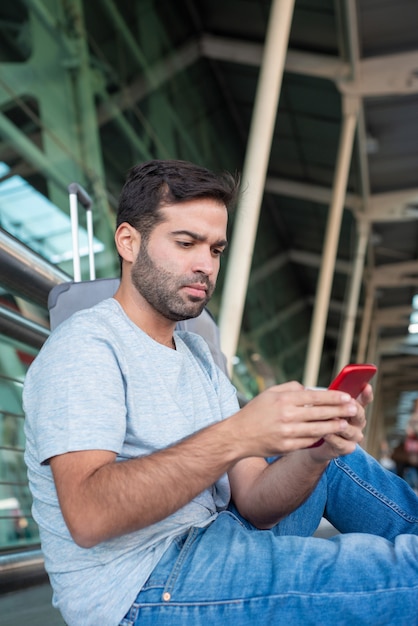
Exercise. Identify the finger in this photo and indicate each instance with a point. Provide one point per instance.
(359, 419)
(339, 445)
(366, 396)
(323, 396)
(351, 433)
(302, 435)
(317, 430)
(314, 413)
(292, 385)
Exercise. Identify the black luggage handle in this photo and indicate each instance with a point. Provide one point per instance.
(82, 195)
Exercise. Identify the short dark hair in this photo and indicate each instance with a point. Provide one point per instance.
(154, 184)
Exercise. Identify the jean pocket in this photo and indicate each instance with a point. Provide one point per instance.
(130, 617)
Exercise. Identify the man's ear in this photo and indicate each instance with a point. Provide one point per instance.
(128, 241)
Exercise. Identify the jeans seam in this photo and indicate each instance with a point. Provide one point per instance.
(283, 594)
(377, 494)
(171, 580)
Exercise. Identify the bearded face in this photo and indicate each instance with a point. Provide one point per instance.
(167, 292)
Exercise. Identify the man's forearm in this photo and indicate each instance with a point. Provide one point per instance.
(281, 488)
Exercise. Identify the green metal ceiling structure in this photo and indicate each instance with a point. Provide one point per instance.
(315, 101)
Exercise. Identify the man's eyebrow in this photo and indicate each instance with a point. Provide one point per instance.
(222, 242)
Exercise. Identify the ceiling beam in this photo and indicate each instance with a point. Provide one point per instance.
(397, 364)
(396, 346)
(395, 274)
(249, 53)
(384, 75)
(381, 207)
(311, 193)
(392, 316)
(393, 205)
(393, 72)
(311, 259)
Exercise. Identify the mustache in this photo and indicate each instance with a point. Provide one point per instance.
(200, 279)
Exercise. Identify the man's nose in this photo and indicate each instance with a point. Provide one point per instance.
(204, 262)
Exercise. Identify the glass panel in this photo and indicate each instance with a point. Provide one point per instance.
(38, 223)
(17, 527)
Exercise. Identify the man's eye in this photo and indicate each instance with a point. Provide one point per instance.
(217, 251)
(184, 244)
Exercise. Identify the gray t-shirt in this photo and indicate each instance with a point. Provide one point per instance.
(99, 382)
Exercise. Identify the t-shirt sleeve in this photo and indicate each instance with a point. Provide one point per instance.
(74, 395)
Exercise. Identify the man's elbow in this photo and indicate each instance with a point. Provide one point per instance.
(83, 533)
(261, 522)
(83, 538)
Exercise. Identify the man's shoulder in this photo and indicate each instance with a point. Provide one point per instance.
(75, 335)
(94, 320)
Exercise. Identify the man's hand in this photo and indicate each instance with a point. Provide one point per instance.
(345, 442)
(289, 417)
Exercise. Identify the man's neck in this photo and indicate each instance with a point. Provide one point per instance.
(156, 326)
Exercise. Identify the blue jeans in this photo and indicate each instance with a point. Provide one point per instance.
(230, 574)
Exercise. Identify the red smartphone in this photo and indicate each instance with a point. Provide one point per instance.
(352, 379)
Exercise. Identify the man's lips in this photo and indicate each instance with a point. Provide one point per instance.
(197, 290)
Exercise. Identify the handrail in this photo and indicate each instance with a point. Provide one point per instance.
(19, 328)
(20, 569)
(25, 272)
(14, 560)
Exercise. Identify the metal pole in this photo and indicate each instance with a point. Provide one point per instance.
(74, 237)
(254, 175)
(92, 267)
(323, 292)
(18, 328)
(366, 323)
(374, 414)
(26, 273)
(344, 352)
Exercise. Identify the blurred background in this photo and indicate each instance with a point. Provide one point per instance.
(314, 102)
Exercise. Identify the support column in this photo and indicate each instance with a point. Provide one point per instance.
(366, 323)
(254, 175)
(323, 291)
(374, 431)
(345, 349)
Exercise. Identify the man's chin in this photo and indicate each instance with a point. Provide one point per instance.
(187, 313)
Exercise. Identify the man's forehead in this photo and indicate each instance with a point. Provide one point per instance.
(205, 209)
(194, 203)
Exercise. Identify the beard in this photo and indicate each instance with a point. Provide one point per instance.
(162, 289)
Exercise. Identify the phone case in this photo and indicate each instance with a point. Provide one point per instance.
(353, 378)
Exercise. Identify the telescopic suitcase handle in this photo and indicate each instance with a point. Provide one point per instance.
(78, 195)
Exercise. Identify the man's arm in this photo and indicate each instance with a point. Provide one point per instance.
(101, 498)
